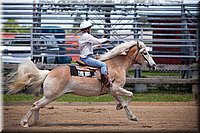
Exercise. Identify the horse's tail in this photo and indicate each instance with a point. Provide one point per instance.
(26, 76)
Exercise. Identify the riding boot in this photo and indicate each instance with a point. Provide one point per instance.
(106, 80)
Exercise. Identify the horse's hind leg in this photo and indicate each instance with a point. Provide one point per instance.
(35, 109)
(36, 118)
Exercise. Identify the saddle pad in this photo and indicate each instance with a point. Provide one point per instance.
(81, 72)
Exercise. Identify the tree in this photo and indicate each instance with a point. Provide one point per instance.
(11, 23)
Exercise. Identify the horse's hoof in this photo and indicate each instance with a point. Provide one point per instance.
(119, 106)
(24, 124)
(134, 119)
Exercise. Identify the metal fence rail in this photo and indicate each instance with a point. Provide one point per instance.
(41, 31)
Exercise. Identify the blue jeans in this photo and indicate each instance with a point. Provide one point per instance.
(89, 60)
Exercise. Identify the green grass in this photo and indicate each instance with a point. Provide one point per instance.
(144, 97)
(18, 97)
(155, 73)
(75, 98)
(161, 97)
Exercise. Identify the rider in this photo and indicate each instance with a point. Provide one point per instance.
(86, 43)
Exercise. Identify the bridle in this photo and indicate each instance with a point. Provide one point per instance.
(138, 51)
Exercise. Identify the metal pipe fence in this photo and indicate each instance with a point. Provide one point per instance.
(41, 31)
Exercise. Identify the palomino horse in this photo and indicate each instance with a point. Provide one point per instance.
(59, 80)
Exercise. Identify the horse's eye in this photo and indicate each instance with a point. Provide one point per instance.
(144, 53)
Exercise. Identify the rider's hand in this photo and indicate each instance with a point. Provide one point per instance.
(97, 46)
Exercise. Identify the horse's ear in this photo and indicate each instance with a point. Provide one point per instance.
(141, 47)
(138, 43)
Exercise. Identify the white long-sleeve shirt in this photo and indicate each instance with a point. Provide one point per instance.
(86, 43)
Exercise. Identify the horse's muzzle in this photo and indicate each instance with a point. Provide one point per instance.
(153, 67)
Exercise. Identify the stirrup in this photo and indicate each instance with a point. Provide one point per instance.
(106, 81)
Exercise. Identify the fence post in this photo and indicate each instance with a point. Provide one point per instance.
(195, 90)
(136, 36)
(197, 46)
(31, 43)
(138, 74)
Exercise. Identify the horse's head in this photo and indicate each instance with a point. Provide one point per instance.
(136, 51)
(141, 56)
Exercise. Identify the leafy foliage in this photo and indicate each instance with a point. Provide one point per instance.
(12, 24)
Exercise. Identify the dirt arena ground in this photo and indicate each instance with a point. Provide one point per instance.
(102, 117)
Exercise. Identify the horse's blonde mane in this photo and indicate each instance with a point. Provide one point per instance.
(120, 49)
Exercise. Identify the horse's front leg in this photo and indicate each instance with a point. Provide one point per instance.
(122, 92)
(121, 102)
(117, 93)
(130, 115)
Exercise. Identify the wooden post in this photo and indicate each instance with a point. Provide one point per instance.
(195, 90)
(138, 74)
